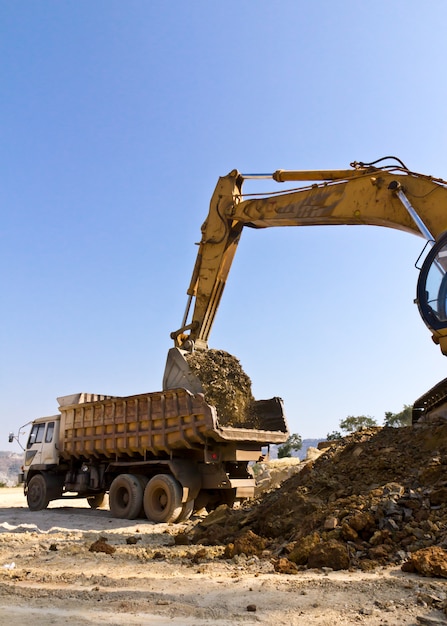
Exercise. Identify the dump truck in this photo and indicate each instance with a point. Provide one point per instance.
(158, 455)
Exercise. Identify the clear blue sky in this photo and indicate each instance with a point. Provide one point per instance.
(117, 118)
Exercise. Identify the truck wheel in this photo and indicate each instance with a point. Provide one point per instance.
(125, 496)
(37, 493)
(163, 499)
(95, 502)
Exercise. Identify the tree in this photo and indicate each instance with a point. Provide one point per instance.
(351, 423)
(335, 434)
(397, 420)
(294, 442)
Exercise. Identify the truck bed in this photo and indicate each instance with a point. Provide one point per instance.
(157, 423)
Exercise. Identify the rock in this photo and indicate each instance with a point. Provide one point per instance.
(431, 561)
(393, 488)
(438, 496)
(251, 608)
(303, 547)
(131, 541)
(313, 453)
(331, 554)
(101, 545)
(270, 475)
(284, 566)
(428, 599)
(348, 533)
(330, 523)
(200, 555)
(361, 521)
(430, 621)
(247, 543)
(378, 537)
(379, 553)
(218, 516)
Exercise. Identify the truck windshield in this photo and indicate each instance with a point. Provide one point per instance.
(36, 434)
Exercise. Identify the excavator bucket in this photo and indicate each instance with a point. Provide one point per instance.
(178, 373)
(229, 394)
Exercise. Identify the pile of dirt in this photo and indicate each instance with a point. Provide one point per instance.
(373, 498)
(226, 386)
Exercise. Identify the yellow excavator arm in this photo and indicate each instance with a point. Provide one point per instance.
(390, 196)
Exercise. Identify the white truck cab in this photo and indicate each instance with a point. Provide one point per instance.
(41, 448)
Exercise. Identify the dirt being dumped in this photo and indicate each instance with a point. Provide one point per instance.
(374, 498)
(226, 386)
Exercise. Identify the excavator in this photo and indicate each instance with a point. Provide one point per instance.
(384, 193)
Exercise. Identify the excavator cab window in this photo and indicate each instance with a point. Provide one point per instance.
(432, 286)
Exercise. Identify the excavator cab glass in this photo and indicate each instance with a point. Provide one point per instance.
(432, 286)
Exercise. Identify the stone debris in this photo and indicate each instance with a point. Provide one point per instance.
(101, 545)
(428, 562)
(131, 541)
(377, 497)
(430, 621)
(271, 474)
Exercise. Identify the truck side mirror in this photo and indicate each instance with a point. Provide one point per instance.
(11, 437)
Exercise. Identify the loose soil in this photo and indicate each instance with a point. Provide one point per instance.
(226, 386)
(371, 499)
(151, 575)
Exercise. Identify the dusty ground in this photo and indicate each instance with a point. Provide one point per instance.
(47, 568)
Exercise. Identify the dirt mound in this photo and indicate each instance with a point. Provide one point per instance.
(372, 498)
(226, 386)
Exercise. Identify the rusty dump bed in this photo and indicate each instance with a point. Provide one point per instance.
(158, 423)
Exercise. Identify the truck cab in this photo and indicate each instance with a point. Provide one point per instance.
(41, 449)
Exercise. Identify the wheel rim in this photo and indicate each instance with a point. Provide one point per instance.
(160, 500)
(37, 493)
(122, 497)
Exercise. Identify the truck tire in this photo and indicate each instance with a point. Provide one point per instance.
(95, 502)
(163, 499)
(125, 497)
(37, 493)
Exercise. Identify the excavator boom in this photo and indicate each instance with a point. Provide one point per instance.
(391, 196)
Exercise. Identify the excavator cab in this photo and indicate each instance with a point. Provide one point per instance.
(432, 292)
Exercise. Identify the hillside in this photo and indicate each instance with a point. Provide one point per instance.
(10, 463)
